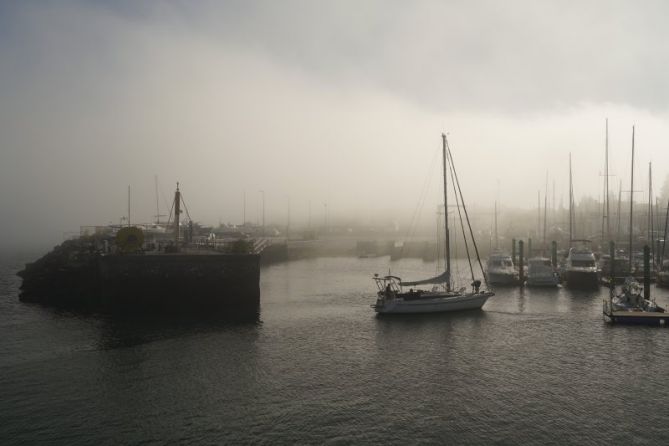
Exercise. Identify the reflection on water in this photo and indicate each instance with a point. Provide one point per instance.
(535, 366)
(128, 331)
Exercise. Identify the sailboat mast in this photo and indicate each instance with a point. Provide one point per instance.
(496, 233)
(620, 200)
(529, 254)
(447, 251)
(606, 187)
(631, 200)
(571, 202)
(543, 247)
(664, 238)
(651, 229)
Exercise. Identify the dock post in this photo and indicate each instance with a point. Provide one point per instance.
(554, 254)
(521, 271)
(612, 270)
(513, 251)
(646, 272)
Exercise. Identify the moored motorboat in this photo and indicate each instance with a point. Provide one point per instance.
(620, 268)
(581, 269)
(500, 270)
(541, 273)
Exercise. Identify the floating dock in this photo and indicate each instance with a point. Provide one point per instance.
(635, 317)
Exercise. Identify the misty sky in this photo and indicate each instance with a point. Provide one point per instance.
(338, 102)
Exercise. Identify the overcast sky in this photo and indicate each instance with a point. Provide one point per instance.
(337, 102)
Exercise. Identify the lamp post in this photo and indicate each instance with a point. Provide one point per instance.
(325, 216)
(263, 212)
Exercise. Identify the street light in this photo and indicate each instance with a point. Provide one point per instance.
(263, 212)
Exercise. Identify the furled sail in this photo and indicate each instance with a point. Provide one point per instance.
(441, 278)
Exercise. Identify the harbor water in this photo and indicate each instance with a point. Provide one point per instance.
(535, 366)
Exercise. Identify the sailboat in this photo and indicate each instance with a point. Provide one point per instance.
(392, 296)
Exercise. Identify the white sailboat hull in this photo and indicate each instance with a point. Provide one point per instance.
(440, 302)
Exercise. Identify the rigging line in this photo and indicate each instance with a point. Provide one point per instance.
(464, 208)
(169, 218)
(185, 207)
(455, 256)
(162, 194)
(411, 230)
(462, 225)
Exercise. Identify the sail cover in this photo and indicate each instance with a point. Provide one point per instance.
(441, 278)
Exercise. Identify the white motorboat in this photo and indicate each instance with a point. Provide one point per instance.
(581, 268)
(541, 273)
(500, 270)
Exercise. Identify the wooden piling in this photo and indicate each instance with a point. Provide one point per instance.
(612, 265)
(521, 270)
(646, 272)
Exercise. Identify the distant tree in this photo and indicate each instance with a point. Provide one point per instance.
(241, 247)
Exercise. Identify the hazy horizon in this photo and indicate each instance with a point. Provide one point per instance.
(340, 103)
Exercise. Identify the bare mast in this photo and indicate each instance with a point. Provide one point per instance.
(571, 203)
(496, 233)
(447, 251)
(606, 176)
(651, 228)
(620, 200)
(543, 248)
(631, 202)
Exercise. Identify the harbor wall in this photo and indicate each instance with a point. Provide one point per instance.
(180, 282)
(74, 276)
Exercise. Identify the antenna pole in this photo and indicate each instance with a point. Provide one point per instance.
(128, 205)
(177, 212)
(155, 183)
